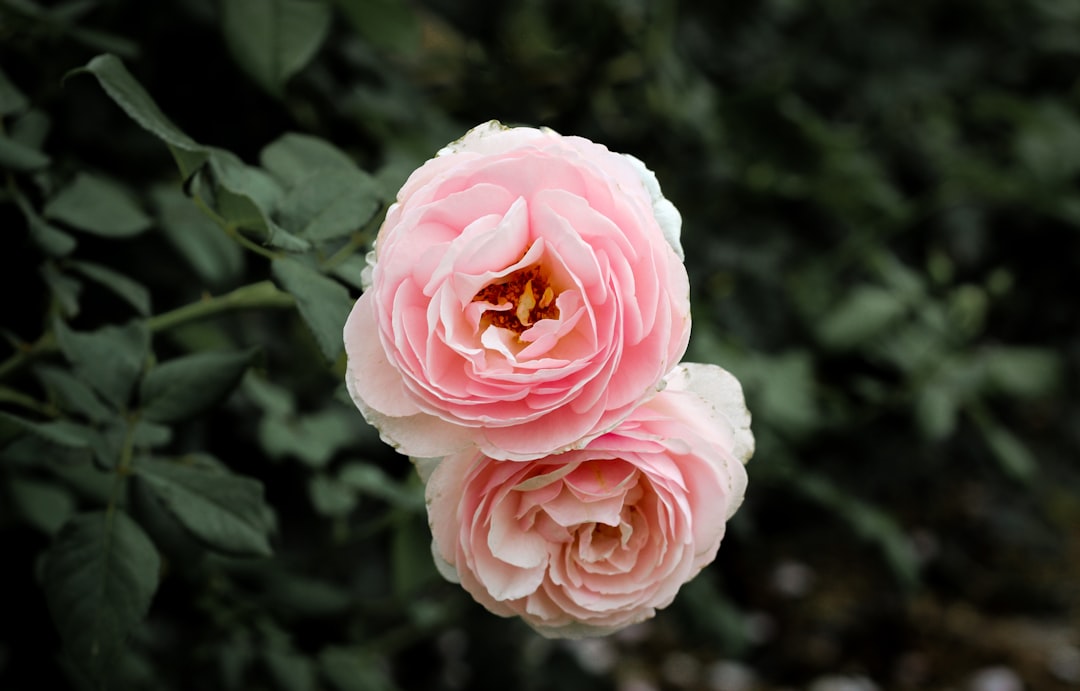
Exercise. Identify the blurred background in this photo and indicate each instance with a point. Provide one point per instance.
(882, 228)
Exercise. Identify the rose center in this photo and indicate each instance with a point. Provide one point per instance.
(524, 298)
(603, 531)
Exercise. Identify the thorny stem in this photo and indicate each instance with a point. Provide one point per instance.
(261, 294)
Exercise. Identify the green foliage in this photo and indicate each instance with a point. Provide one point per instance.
(12, 100)
(99, 206)
(128, 290)
(323, 302)
(216, 258)
(130, 95)
(61, 441)
(42, 504)
(109, 359)
(273, 39)
(348, 671)
(99, 577)
(71, 394)
(180, 388)
(880, 216)
(19, 157)
(224, 511)
(388, 24)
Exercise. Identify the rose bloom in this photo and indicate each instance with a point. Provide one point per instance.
(526, 293)
(592, 540)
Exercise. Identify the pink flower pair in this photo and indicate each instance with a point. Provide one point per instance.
(525, 311)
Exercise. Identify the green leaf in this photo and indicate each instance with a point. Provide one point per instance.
(272, 40)
(11, 99)
(868, 521)
(328, 195)
(298, 595)
(351, 270)
(330, 497)
(1048, 142)
(247, 197)
(86, 481)
(231, 173)
(936, 406)
(100, 40)
(323, 302)
(290, 670)
(31, 129)
(73, 394)
(180, 388)
(388, 24)
(242, 211)
(225, 511)
(235, 656)
(19, 157)
(276, 401)
(70, 12)
(1014, 457)
(967, 309)
(65, 289)
(711, 616)
(109, 359)
(110, 450)
(863, 314)
(149, 435)
(126, 91)
(781, 387)
(214, 256)
(58, 441)
(44, 505)
(330, 203)
(314, 438)
(373, 481)
(1025, 372)
(54, 242)
(135, 294)
(294, 156)
(349, 670)
(63, 433)
(99, 206)
(99, 577)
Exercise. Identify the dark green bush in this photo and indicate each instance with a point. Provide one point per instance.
(882, 222)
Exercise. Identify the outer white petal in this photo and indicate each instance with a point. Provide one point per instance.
(666, 214)
(577, 630)
(493, 137)
(366, 272)
(425, 466)
(722, 391)
(445, 568)
(419, 435)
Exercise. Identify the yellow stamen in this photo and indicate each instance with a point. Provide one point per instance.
(548, 296)
(519, 290)
(526, 302)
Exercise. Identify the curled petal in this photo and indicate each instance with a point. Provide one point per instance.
(591, 540)
(525, 295)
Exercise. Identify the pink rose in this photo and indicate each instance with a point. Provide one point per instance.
(592, 540)
(527, 293)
